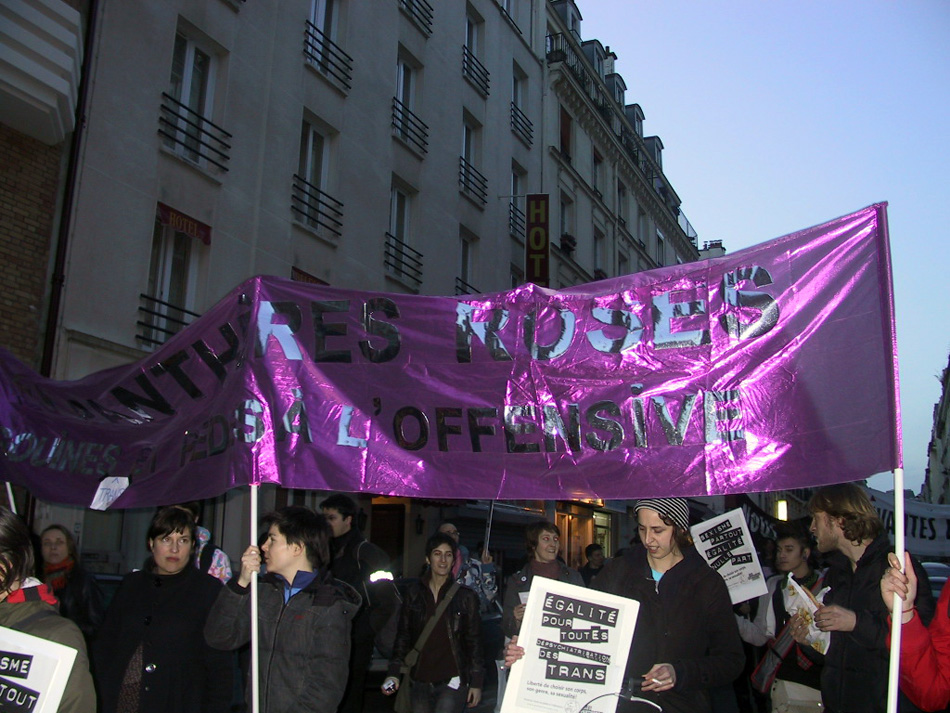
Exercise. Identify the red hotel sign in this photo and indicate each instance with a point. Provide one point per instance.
(184, 224)
(537, 258)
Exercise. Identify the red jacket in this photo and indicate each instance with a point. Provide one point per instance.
(925, 657)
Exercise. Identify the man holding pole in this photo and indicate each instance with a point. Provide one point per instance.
(847, 527)
(304, 615)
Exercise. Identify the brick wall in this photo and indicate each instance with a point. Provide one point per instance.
(29, 182)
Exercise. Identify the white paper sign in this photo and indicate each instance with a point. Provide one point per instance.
(726, 544)
(576, 643)
(33, 672)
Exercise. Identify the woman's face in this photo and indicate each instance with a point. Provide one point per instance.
(171, 552)
(55, 549)
(658, 537)
(548, 546)
(440, 560)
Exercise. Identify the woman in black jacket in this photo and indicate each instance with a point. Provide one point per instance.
(151, 655)
(80, 598)
(449, 670)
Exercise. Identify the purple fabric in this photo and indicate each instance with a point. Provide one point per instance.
(769, 368)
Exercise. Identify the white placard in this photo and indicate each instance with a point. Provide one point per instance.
(576, 643)
(33, 672)
(726, 544)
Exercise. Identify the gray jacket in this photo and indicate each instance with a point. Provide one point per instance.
(304, 644)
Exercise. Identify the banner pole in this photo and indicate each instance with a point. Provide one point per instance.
(893, 671)
(487, 538)
(10, 498)
(255, 653)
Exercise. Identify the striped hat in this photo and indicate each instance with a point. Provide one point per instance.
(675, 509)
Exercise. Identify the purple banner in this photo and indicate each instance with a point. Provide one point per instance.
(770, 368)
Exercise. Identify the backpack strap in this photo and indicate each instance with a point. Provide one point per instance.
(35, 616)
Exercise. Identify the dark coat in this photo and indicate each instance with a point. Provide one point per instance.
(464, 625)
(166, 615)
(353, 559)
(304, 644)
(685, 620)
(519, 582)
(80, 600)
(854, 678)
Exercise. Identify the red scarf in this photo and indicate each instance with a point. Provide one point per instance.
(40, 592)
(56, 575)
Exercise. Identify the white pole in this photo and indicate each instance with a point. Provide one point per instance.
(10, 498)
(894, 670)
(255, 653)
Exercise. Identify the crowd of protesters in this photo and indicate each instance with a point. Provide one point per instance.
(175, 636)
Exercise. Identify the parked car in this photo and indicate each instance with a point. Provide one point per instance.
(938, 573)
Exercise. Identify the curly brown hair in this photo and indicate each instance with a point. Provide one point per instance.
(851, 507)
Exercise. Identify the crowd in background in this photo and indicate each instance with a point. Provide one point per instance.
(175, 636)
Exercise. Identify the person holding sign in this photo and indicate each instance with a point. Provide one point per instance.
(151, 656)
(438, 648)
(28, 605)
(543, 542)
(686, 641)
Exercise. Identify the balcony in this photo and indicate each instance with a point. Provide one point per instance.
(687, 228)
(327, 58)
(403, 262)
(516, 221)
(317, 209)
(472, 183)
(463, 288)
(521, 125)
(474, 71)
(410, 128)
(159, 321)
(420, 12)
(192, 136)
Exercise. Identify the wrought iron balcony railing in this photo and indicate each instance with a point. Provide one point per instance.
(403, 261)
(192, 136)
(516, 221)
(315, 208)
(420, 12)
(472, 182)
(409, 127)
(159, 321)
(464, 288)
(521, 125)
(474, 71)
(327, 57)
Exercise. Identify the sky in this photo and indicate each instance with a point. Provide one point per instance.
(779, 115)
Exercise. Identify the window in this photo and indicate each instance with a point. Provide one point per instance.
(322, 16)
(641, 226)
(172, 277)
(565, 133)
(313, 156)
(311, 202)
(399, 204)
(623, 264)
(600, 257)
(472, 69)
(192, 88)
(597, 177)
(467, 244)
(622, 206)
(405, 90)
(471, 181)
(323, 54)
(566, 215)
(516, 216)
(660, 249)
(400, 258)
(521, 125)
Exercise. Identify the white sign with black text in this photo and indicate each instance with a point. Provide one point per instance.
(33, 672)
(726, 544)
(576, 643)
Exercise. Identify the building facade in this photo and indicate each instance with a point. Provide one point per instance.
(384, 145)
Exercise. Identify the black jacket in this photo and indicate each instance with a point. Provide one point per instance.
(520, 582)
(166, 615)
(80, 601)
(685, 620)
(854, 678)
(464, 625)
(304, 643)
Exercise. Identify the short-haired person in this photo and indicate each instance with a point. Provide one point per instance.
(925, 650)
(151, 655)
(543, 544)
(27, 605)
(595, 562)
(365, 567)
(686, 644)
(847, 529)
(449, 671)
(304, 615)
(80, 599)
(797, 679)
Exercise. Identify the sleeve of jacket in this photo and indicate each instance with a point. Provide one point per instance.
(723, 658)
(470, 631)
(328, 669)
(925, 658)
(760, 630)
(574, 577)
(80, 693)
(509, 624)
(218, 665)
(402, 644)
(229, 622)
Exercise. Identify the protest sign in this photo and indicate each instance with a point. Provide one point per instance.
(33, 672)
(576, 643)
(726, 544)
(926, 525)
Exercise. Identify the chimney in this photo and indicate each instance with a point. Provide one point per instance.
(609, 61)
